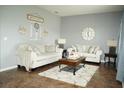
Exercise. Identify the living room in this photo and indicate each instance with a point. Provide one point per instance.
(54, 23)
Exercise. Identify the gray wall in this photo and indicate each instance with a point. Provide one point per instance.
(11, 17)
(106, 27)
(14, 16)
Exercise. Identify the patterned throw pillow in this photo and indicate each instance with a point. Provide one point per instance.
(34, 49)
(91, 49)
(85, 48)
(96, 49)
(74, 48)
(79, 48)
(37, 51)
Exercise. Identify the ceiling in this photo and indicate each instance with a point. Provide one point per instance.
(69, 10)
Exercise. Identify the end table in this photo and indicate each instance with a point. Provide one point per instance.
(108, 55)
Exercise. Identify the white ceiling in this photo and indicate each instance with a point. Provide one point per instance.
(69, 10)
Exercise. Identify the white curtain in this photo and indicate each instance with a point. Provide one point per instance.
(120, 60)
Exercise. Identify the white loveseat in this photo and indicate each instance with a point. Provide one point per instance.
(92, 53)
(32, 56)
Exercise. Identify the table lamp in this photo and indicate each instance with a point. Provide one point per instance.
(112, 46)
(61, 42)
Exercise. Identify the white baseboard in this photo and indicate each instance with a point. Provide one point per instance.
(4, 69)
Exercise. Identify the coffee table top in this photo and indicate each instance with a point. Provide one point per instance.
(73, 60)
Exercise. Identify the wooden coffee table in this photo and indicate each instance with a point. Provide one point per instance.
(72, 63)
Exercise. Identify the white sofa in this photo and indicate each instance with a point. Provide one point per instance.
(92, 53)
(32, 56)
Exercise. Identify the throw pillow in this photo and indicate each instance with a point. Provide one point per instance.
(74, 48)
(85, 48)
(30, 48)
(50, 48)
(34, 49)
(79, 48)
(41, 48)
(37, 51)
(23, 47)
(96, 49)
(91, 49)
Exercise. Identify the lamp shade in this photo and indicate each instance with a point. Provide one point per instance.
(61, 41)
(112, 43)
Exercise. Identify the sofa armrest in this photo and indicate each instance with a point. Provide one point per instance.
(59, 50)
(25, 59)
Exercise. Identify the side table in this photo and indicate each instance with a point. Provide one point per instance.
(108, 55)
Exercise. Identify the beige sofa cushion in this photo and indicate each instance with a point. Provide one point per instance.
(41, 48)
(88, 55)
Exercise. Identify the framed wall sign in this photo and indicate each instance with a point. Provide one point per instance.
(35, 18)
(88, 33)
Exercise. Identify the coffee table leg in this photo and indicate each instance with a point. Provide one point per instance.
(59, 67)
(84, 64)
(74, 71)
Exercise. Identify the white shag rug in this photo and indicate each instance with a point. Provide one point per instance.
(82, 77)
